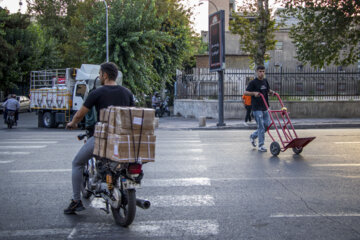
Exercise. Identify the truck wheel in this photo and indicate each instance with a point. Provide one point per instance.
(48, 120)
(40, 120)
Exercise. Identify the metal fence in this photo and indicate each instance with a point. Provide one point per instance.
(290, 84)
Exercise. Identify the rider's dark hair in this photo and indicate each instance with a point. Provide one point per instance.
(111, 69)
(260, 67)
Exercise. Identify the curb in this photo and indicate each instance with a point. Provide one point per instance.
(296, 126)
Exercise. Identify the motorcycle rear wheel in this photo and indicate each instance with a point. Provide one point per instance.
(125, 214)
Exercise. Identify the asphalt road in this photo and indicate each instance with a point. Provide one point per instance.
(203, 185)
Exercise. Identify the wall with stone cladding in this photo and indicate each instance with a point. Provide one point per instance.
(297, 109)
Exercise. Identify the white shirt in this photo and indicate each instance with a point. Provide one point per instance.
(11, 104)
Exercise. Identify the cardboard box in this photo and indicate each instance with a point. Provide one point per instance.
(101, 130)
(100, 147)
(120, 148)
(104, 114)
(133, 118)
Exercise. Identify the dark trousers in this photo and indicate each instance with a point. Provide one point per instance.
(16, 114)
(248, 114)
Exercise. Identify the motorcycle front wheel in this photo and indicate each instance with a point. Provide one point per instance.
(125, 214)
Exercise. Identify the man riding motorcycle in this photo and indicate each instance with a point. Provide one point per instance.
(11, 105)
(109, 94)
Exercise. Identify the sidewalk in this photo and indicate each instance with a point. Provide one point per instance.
(181, 123)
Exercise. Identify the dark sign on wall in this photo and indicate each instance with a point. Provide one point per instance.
(217, 41)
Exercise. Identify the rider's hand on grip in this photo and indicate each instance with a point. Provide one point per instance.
(71, 126)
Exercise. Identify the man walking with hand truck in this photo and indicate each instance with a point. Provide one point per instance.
(255, 87)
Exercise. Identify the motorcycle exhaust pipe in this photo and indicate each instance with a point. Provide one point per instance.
(142, 203)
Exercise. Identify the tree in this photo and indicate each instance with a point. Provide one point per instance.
(327, 32)
(8, 54)
(55, 17)
(23, 48)
(149, 39)
(176, 23)
(75, 48)
(255, 26)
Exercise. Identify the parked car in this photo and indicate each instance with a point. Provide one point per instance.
(24, 104)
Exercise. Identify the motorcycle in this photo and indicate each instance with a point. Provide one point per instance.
(116, 184)
(162, 108)
(10, 119)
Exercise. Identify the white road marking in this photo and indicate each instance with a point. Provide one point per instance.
(182, 168)
(71, 235)
(40, 170)
(176, 182)
(7, 161)
(182, 200)
(315, 215)
(22, 147)
(34, 232)
(14, 153)
(169, 201)
(336, 165)
(346, 142)
(30, 142)
(173, 228)
(165, 228)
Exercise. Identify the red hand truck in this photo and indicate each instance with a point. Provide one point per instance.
(285, 130)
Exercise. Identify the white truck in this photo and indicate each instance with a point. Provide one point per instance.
(57, 94)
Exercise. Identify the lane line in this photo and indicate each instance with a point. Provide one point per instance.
(176, 182)
(182, 201)
(314, 215)
(163, 228)
(40, 171)
(14, 153)
(169, 201)
(336, 165)
(34, 232)
(173, 228)
(31, 142)
(7, 161)
(22, 147)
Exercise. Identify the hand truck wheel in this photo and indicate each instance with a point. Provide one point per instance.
(297, 150)
(275, 148)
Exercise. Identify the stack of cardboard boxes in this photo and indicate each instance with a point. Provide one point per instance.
(126, 134)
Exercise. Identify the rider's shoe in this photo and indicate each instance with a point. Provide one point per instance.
(74, 207)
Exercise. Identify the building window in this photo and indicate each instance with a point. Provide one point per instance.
(279, 45)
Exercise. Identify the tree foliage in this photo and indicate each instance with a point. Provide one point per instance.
(55, 17)
(327, 32)
(255, 26)
(148, 39)
(24, 48)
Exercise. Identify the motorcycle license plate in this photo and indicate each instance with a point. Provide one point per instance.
(128, 184)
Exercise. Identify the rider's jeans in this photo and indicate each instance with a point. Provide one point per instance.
(81, 158)
(263, 121)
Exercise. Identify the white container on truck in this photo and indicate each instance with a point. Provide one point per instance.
(57, 94)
